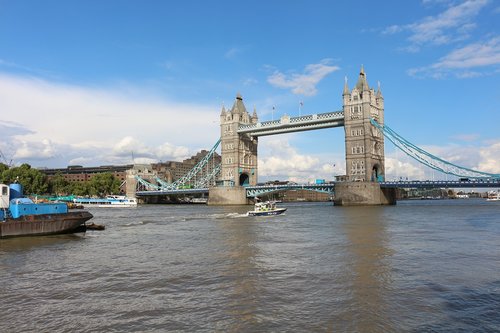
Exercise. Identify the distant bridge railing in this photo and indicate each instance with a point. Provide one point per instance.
(470, 183)
(255, 191)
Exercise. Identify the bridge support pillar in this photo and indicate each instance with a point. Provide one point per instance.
(363, 194)
(130, 183)
(227, 195)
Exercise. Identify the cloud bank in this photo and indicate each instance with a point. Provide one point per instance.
(452, 25)
(472, 60)
(51, 124)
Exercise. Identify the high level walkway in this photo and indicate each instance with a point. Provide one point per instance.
(288, 124)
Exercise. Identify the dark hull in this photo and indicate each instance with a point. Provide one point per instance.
(48, 224)
(267, 213)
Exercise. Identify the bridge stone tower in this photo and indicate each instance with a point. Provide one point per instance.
(239, 156)
(364, 144)
(364, 148)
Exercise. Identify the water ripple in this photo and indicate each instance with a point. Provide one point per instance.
(410, 268)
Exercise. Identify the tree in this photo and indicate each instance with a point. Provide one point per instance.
(3, 167)
(59, 185)
(32, 180)
(79, 188)
(103, 184)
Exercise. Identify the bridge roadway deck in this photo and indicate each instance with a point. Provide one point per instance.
(253, 191)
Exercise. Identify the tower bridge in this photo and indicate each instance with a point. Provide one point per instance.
(362, 117)
(364, 146)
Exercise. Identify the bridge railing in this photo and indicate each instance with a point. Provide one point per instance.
(472, 183)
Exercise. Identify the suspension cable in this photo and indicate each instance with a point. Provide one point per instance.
(427, 158)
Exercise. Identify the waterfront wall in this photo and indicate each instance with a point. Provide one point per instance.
(363, 194)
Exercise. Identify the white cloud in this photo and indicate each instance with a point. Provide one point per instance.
(50, 123)
(35, 150)
(397, 168)
(305, 83)
(479, 56)
(249, 81)
(232, 52)
(473, 55)
(490, 158)
(168, 150)
(452, 25)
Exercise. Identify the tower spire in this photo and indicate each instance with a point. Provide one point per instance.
(254, 118)
(238, 106)
(223, 111)
(379, 91)
(346, 87)
(362, 84)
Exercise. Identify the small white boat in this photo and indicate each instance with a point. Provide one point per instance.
(111, 201)
(266, 208)
(493, 196)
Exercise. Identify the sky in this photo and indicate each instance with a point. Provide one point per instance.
(118, 81)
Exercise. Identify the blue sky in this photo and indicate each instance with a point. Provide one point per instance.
(109, 82)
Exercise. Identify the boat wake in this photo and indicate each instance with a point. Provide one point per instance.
(221, 216)
(136, 223)
(185, 218)
(236, 215)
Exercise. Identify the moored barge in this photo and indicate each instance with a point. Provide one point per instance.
(20, 216)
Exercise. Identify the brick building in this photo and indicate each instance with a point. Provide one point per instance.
(78, 173)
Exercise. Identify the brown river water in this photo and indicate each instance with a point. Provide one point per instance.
(419, 266)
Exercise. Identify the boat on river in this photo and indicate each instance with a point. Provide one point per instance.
(493, 196)
(266, 208)
(110, 201)
(20, 216)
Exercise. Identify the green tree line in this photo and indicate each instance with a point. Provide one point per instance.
(36, 182)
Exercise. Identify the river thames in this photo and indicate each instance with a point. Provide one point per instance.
(419, 266)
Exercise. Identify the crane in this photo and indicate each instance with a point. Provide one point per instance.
(4, 159)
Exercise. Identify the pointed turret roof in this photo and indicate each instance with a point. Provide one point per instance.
(223, 112)
(346, 87)
(379, 91)
(362, 84)
(254, 115)
(238, 106)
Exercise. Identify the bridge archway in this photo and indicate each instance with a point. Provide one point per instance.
(244, 179)
(376, 173)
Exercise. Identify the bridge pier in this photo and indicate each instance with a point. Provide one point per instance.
(363, 194)
(227, 195)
